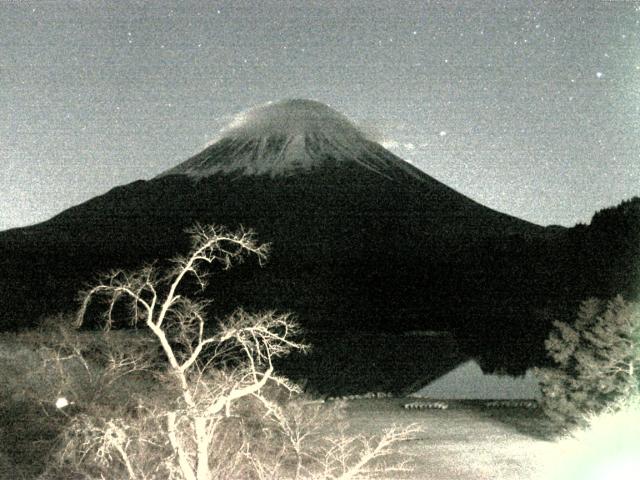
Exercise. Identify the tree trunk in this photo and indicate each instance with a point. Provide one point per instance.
(186, 469)
(202, 471)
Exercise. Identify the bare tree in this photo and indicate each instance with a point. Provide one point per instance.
(178, 323)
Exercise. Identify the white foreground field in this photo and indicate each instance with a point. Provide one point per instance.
(465, 442)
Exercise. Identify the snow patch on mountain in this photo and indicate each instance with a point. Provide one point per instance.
(288, 137)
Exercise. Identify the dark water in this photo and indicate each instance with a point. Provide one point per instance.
(357, 363)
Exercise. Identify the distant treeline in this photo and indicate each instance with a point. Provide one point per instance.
(533, 281)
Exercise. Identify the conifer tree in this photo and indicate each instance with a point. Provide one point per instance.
(597, 357)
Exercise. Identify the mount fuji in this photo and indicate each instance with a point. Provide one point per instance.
(307, 141)
(288, 138)
(362, 241)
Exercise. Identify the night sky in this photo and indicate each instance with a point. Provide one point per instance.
(529, 107)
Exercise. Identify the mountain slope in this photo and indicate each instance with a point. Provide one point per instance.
(287, 138)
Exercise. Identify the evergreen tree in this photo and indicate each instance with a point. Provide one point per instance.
(598, 360)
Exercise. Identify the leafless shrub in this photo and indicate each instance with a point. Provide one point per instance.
(357, 457)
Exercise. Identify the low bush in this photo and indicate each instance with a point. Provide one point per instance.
(60, 366)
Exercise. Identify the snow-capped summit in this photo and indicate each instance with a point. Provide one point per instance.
(295, 117)
(287, 137)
